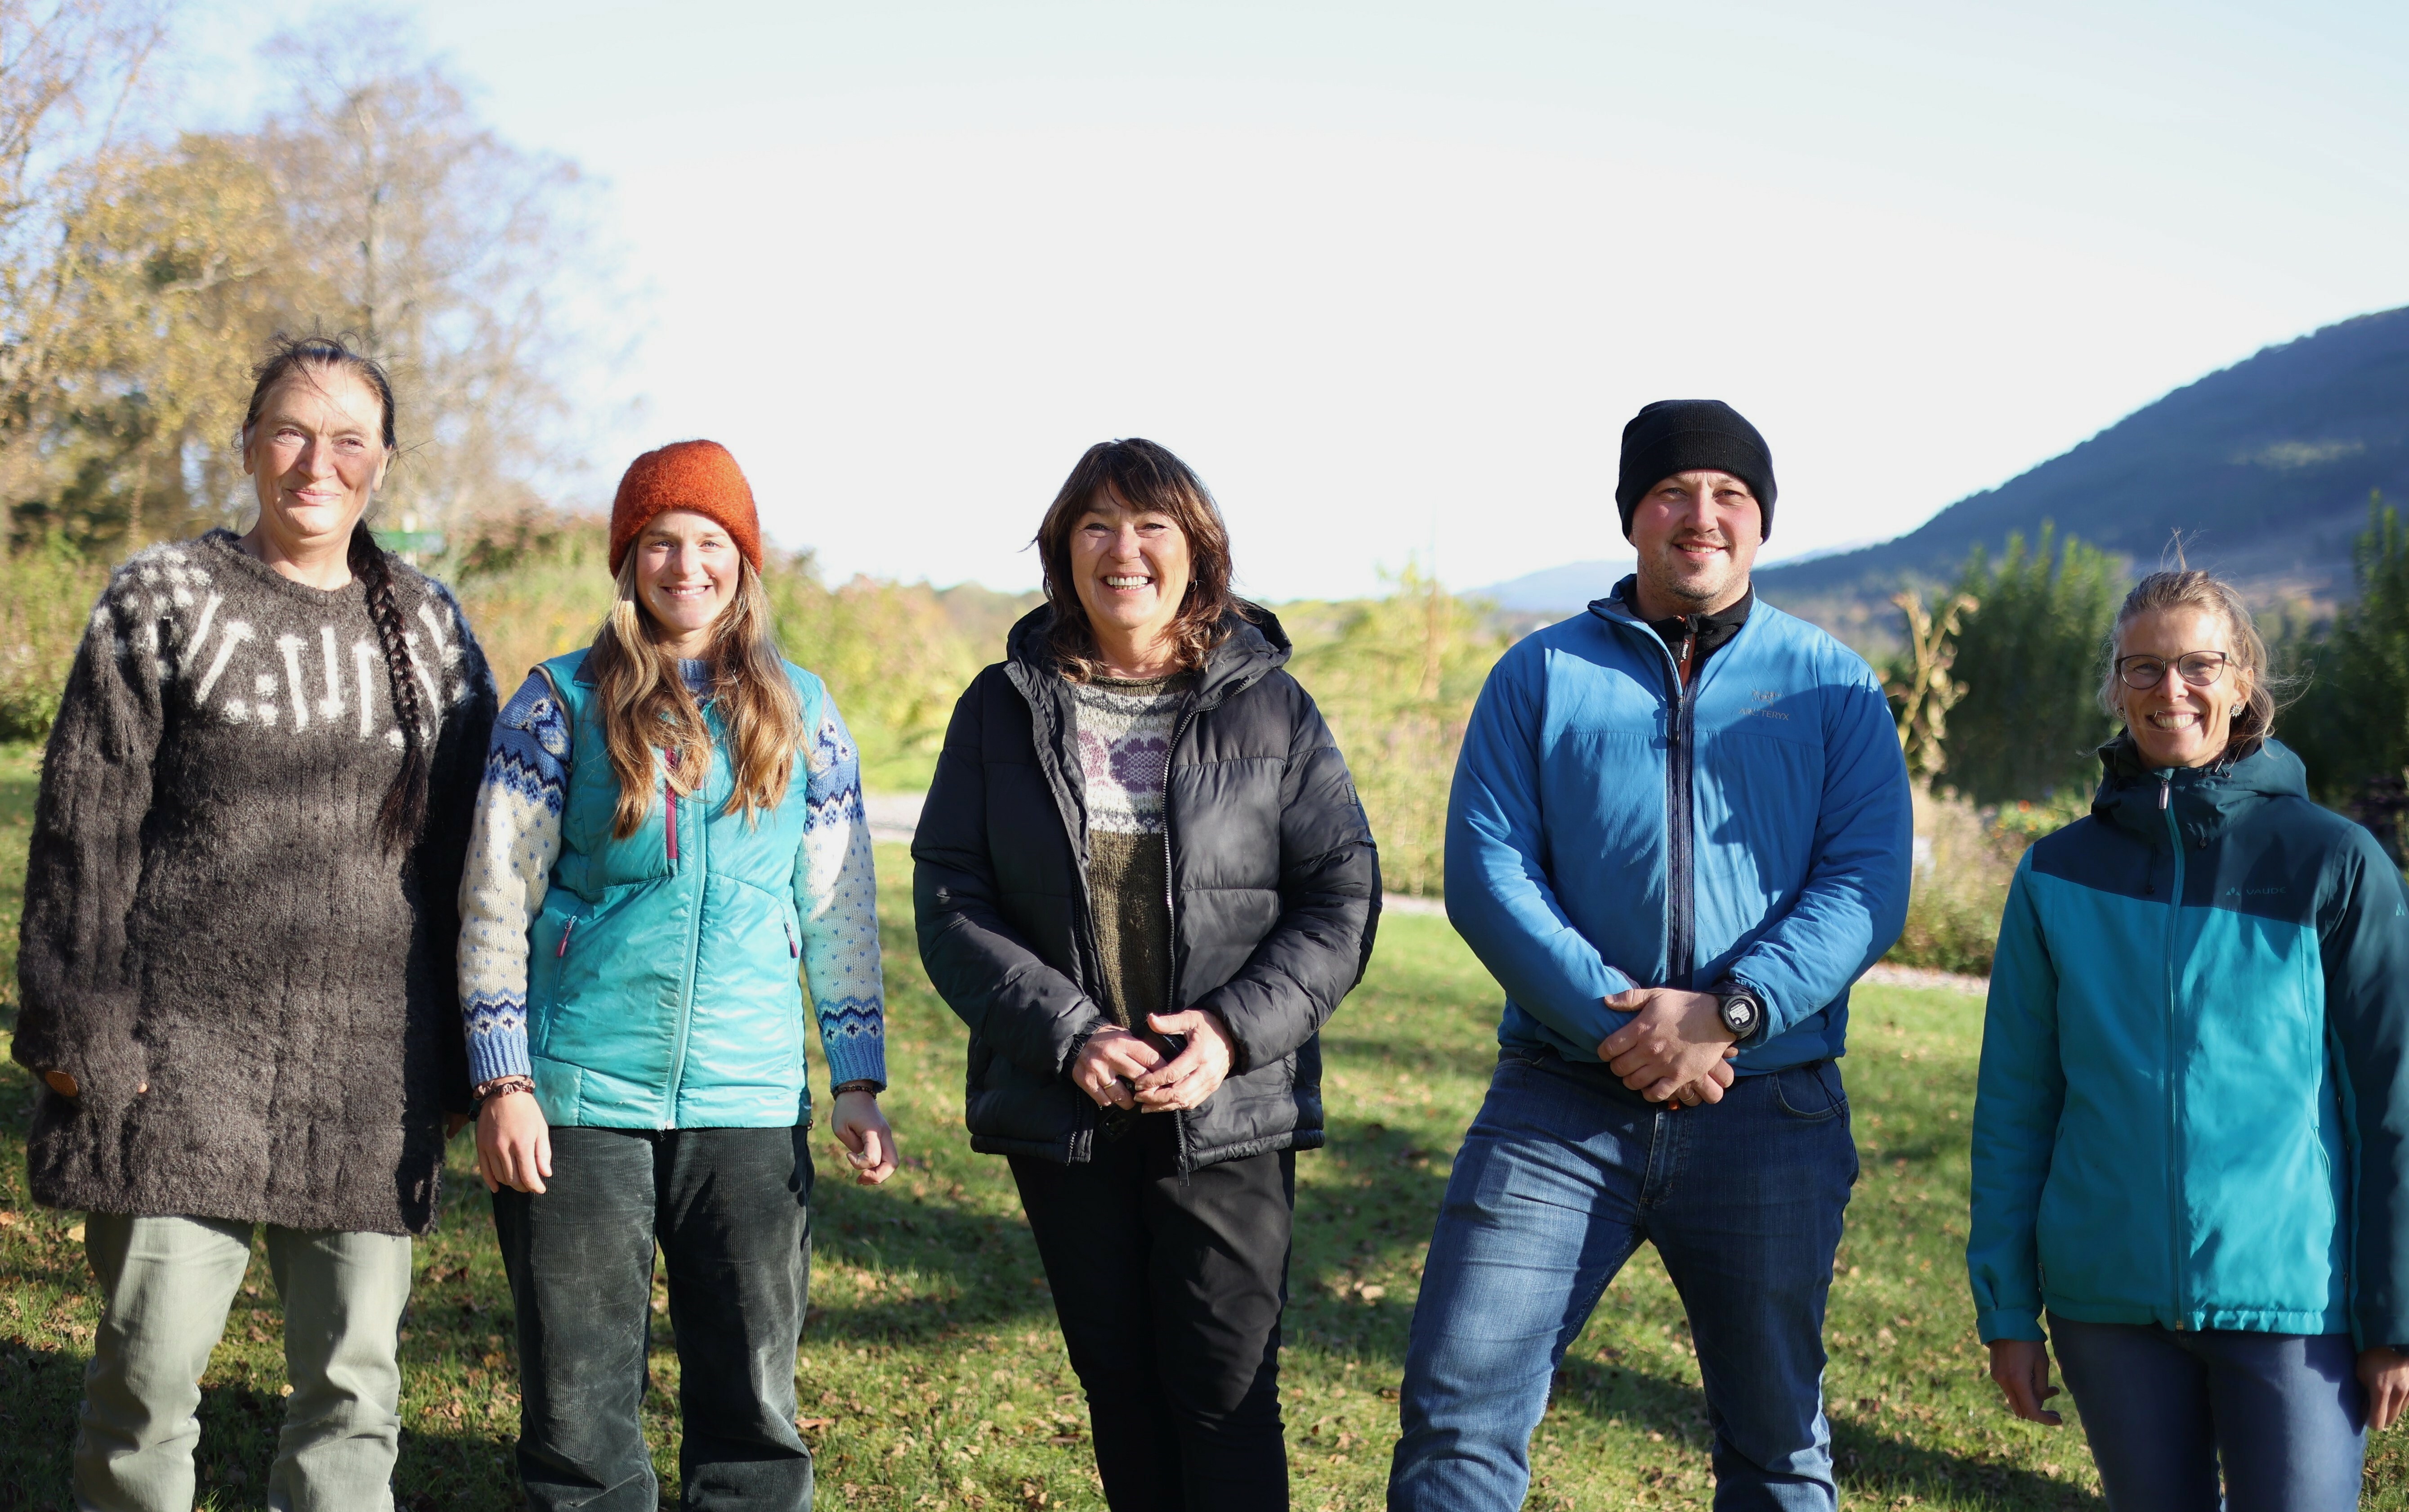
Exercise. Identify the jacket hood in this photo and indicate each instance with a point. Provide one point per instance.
(2205, 799)
(1255, 645)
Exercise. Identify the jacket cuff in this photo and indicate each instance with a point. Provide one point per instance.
(2009, 1323)
(1242, 1060)
(1079, 1040)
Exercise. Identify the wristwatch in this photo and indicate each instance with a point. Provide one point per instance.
(1742, 1010)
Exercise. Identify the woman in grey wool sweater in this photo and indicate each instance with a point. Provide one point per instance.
(236, 960)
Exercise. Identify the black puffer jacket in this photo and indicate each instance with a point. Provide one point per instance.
(1276, 883)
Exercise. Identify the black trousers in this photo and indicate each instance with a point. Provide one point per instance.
(1169, 1293)
(729, 1209)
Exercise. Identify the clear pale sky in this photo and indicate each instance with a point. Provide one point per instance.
(1391, 276)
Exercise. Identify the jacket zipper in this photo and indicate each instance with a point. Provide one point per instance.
(669, 792)
(1171, 909)
(692, 957)
(1681, 929)
(566, 930)
(792, 949)
(2174, 1071)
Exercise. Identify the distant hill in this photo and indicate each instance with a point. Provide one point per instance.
(2265, 468)
(1556, 589)
(1567, 589)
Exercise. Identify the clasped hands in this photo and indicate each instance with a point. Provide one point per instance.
(1674, 1050)
(1119, 1068)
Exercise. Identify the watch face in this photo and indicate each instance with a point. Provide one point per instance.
(1739, 1013)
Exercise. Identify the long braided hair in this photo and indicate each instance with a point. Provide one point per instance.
(404, 811)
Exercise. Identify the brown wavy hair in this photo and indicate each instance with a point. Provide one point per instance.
(646, 706)
(1145, 477)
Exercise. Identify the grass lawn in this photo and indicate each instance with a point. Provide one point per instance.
(931, 1374)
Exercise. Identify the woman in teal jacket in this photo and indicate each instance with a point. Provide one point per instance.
(671, 830)
(2191, 1134)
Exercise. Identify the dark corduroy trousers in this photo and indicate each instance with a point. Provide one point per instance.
(729, 1210)
(1170, 1290)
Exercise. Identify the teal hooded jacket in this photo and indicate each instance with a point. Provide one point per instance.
(2193, 1108)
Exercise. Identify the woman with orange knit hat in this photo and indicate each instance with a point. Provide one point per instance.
(669, 832)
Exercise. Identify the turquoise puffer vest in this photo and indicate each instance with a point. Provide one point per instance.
(664, 972)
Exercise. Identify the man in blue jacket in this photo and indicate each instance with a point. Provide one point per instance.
(1680, 831)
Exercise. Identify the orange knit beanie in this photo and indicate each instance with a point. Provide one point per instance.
(685, 475)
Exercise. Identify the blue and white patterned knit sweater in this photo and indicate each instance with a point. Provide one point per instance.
(515, 840)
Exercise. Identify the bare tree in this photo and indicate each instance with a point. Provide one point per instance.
(69, 71)
(143, 272)
(439, 246)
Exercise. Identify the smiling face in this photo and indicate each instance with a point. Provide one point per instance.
(2175, 724)
(315, 456)
(1130, 570)
(687, 571)
(1696, 534)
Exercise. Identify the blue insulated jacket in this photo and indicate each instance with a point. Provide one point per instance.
(2192, 1103)
(1608, 830)
(663, 985)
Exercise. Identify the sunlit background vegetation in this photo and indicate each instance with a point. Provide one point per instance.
(144, 265)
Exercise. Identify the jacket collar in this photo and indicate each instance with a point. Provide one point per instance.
(2205, 800)
(1248, 654)
(1729, 623)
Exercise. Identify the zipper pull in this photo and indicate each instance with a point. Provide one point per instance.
(566, 930)
(791, 948)
(2166, 791)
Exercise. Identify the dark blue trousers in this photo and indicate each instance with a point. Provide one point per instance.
(2282, 1413)
(729, 1210)
(1564, 1175)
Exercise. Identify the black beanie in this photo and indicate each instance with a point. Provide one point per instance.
(1686, 436)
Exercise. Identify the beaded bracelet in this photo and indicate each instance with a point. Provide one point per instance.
(861, 1084)
(504, 1087)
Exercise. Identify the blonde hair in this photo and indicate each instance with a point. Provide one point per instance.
(2181, 587)
(646, 706)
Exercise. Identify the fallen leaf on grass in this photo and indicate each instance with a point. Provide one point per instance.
(813, 1425)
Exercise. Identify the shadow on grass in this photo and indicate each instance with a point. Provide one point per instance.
(1356, 1053)
(1868, 1462)
(39, 1392)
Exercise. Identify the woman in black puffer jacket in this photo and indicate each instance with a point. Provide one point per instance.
(1144, 880)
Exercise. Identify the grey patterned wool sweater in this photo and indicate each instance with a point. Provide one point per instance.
(255, 999)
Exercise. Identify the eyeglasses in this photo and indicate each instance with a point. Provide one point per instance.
(2200, 669)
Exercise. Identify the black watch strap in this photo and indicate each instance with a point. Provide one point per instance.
(1742, 1010)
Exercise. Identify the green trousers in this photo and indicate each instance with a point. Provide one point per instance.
(166, 1283)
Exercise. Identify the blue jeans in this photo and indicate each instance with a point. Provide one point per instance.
(1563, 1174)
(729, 1209)
(2282, 1413)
